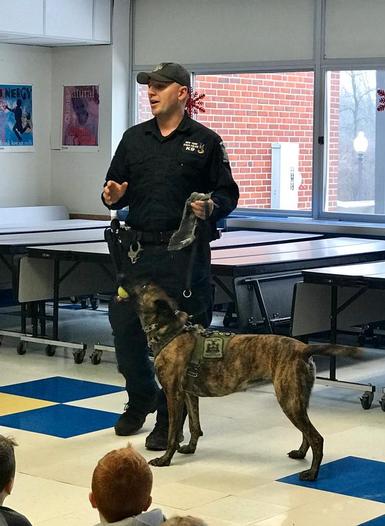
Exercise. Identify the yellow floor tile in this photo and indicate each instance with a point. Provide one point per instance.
(10, 404)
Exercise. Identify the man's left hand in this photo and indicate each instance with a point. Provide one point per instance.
(203, 209)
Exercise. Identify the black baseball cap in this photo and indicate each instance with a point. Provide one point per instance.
(166, 72)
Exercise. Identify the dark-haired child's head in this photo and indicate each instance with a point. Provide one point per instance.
(7, 466)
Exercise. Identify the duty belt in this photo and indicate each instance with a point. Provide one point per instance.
(125, 241)
(152, 238)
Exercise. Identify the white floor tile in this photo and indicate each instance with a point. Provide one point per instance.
(229, 481)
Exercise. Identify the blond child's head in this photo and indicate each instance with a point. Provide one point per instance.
(121, 485)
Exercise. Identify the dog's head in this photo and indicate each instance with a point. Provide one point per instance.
(158, 313)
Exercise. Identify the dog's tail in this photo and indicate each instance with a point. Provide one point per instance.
(333, 350)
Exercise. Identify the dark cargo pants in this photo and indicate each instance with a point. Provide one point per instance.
(168, 270)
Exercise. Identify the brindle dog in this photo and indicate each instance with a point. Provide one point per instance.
(248, 358)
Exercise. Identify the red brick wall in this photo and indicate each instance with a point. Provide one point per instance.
(250, 111)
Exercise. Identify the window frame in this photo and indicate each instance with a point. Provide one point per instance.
(343, 65)
(320, 66)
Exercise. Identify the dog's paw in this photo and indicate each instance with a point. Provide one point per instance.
(308, 475)
(160, 461)
(296, 453)
(186, 449)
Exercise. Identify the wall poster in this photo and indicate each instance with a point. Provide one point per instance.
(16, 130)
(80, 129)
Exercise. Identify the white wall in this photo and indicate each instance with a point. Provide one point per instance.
(120, 70)
(50, 175)
(77, 177)
(25, 178)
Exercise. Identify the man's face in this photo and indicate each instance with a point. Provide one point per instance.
(165, 97)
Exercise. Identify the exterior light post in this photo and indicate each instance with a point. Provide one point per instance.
(360, 145)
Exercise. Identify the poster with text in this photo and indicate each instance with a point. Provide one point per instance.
(16, 130)
(80, 117)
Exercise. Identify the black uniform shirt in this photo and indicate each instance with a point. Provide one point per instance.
(12, 518)
(162, 172)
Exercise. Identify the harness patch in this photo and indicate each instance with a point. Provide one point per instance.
(213, 347)
(208, 345)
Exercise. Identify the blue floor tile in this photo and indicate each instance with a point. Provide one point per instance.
(60, 389)
(378, 521)
(353, 476)
(60, 420)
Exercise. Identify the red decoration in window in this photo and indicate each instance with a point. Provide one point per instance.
(195, 103)
(381, 102)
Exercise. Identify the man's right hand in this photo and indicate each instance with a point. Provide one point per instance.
(114, 191)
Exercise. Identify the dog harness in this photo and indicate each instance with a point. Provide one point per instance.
(209, 345)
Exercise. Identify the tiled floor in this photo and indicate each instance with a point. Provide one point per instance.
(61, 415)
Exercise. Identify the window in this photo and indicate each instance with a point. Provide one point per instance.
(354, 178)
(143, 110)
(266, 123)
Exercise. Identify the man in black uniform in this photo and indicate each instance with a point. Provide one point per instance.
(156, 167)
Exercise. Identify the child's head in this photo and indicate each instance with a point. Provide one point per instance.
(7, 465)
(121, 485)
(184, 521)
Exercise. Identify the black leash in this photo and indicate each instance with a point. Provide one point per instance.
(187, 293)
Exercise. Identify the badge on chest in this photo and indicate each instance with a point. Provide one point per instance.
(194, 147)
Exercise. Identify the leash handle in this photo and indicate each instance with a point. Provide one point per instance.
(187, 293)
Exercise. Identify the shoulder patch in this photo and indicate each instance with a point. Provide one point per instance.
(225, 156)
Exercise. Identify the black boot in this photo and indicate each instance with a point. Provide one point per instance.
(132, 419)
(158, 438)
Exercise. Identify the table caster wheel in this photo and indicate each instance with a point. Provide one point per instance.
(21, 348)
(96, 357)
(50, 350)
(94, 303)
(79, 356)
(366, 400)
